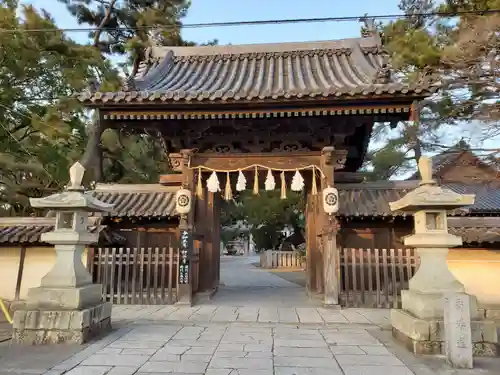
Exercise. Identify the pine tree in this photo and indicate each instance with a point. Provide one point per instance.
(41, 128)
(460, 58)
(125, 27)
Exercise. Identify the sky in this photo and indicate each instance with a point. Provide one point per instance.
(204, 11)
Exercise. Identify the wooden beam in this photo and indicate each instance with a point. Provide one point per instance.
(236, 161)
(280, 161)
(209, 112)
(349, 177)
(171, 179)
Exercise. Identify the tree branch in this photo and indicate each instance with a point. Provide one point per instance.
(104, 21)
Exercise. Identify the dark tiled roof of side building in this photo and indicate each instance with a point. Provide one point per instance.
(476, 229)
(360, 199)
(28, 230)
(142, 200)
(364, 199)
(372, 199)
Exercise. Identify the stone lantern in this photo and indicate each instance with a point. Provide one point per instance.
(66, 306)
(420, 321)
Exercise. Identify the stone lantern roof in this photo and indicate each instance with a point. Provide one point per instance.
(428, 195)
(74, 198)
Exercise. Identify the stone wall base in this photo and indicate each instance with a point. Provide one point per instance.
(491, 313)
(42, 326)
(427, 336)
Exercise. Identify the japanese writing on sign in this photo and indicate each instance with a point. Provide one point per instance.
(185, 247)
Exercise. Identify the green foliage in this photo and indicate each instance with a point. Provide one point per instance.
(230, 234)
(266, 215)
(40, 134)
(43, 129)
(132, 158)
(125, 27)
(455, 54)
(270, 210)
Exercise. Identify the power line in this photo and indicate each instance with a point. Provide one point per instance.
(261, 22)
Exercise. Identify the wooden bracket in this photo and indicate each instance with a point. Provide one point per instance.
(337, 158)
(175, 160)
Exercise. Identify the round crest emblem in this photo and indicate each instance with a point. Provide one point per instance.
(331, 199)
(183, 200)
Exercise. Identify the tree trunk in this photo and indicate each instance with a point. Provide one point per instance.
(92, 157)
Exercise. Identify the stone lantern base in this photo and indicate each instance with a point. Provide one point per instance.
(426, 336)
(36, 326)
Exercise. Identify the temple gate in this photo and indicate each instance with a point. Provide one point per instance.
(269, 113)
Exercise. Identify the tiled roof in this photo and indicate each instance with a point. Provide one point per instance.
(441, 161)
(26, 230)
(138, 200)
(448, 157)
(372, 199)
(476, 229)
(338, 68)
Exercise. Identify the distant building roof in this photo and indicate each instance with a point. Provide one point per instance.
(449, 158)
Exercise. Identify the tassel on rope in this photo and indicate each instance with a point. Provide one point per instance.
(199, 187)
(283, 186)
(314, 187)
(256, 182)
(228, 194)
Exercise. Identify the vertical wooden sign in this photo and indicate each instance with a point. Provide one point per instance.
(186, 245)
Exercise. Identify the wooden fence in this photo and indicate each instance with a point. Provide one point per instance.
(146, 276)
(281, 259)
(375, 277)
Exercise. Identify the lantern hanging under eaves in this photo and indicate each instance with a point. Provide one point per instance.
(183, 201)
(330, 200)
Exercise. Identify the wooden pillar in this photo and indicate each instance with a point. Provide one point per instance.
(216, 239)
(201, 228)
(211, 241)
(186, 225)
(319, 263)
(329, 235)
(310, 246)
(314, 254)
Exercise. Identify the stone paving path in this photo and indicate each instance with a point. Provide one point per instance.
(252, 314)
(235, 350)
(244, 285)
(240, 272)
(257, 324)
